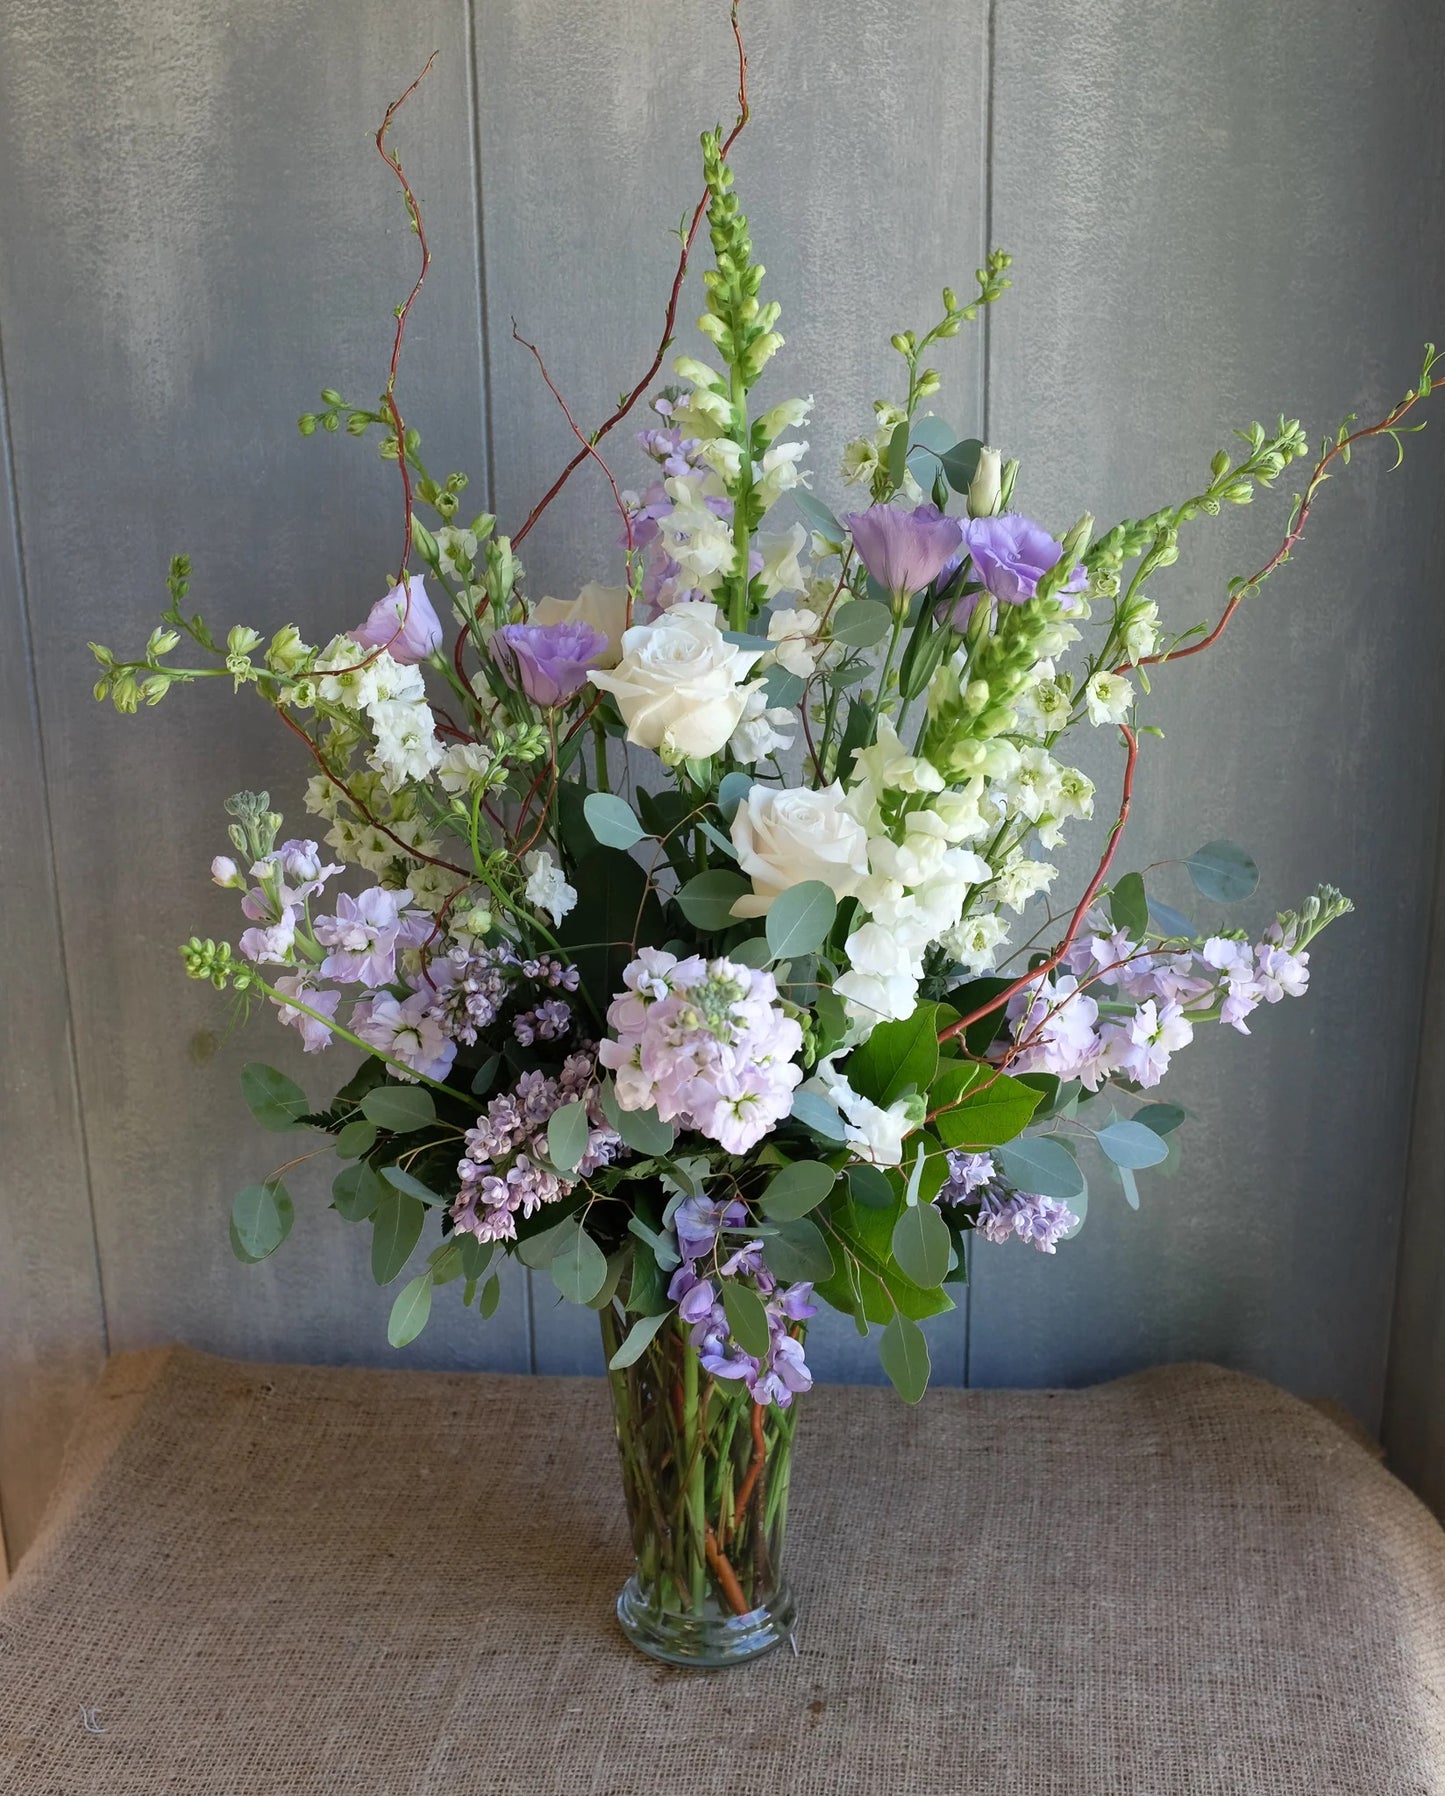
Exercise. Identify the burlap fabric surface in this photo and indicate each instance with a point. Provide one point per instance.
(286, 1581)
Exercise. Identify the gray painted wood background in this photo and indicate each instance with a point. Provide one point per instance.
(1218, 211)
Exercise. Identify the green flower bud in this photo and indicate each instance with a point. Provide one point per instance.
(288, 654)
(330, 397)
(306, 424)
(986, 488)
(358, 424)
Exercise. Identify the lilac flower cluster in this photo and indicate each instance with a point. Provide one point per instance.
(477, 983)
(783, 1373)
(1004, 1215)
(706, 1043)
(1147, 1002)
(501, 1175)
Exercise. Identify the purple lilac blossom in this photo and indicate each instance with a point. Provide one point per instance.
(1003, 1215)
(549, 662)
(904, 550)
(499, 1179)
(403, 623)
(706, 1043)
(1010, 555)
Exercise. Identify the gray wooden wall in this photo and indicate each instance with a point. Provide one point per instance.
(1218, 211)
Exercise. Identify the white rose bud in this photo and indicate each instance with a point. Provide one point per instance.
(784, 837)
(680, 683)
(986, 488)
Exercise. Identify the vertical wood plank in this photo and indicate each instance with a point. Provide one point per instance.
(52, 1323)
(203, 236)
(590, 119)
(1222, 219)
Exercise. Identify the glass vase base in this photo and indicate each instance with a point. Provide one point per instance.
(709, 1641)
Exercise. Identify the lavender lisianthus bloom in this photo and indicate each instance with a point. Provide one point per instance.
(905, 550)
(1011, 554)
(549, 662)
(403, 623)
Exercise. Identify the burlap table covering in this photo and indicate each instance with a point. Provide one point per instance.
(282, 1581)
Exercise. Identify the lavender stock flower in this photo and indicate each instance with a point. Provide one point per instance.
(905, 550)
(549, 662)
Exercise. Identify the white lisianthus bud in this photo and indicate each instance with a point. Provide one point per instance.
(680, 683)
(985, 490)
(784, 837)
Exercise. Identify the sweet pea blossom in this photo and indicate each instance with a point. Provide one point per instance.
(403, 623)
(905, 550)
(549, 662)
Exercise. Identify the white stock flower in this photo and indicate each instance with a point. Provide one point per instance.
(679, 684)
(406, 747)
(1108, 697)
(463, 766)
(546, 887)
(784, 837)
(764, 730)
(1141, 633)
(975, 942)
(604, 607)
(1021, 880)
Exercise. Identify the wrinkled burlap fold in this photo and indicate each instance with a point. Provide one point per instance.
(288, 1581)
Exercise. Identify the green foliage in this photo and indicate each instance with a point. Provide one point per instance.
(1131, 1144)
(396, 1225)
(867, 1280)
(276, 1102)
(400, 1108)
(1041, 1165)
(579, 1266)
(410, 1311)
(261, 1219)
(567, 1135)
(799, 1187)
(636, 1341)
(899, 1057)
(903, 1354)
(799, 919)
(921, 1245)
(612, 820)
(1129, 907)
(993, 1110)
(1223, 871)
(798, 1249)
(356, 1191)
(747, 1319)
(707, 899)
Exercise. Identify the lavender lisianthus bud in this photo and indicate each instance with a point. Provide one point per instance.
(403, 623)
(549, 662)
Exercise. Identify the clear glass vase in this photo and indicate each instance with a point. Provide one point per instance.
(705, 1473)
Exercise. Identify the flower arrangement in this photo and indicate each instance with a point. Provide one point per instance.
(696, 936)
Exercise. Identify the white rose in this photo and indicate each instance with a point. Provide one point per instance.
(604, 607)
(784, 837)
(679, 684)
